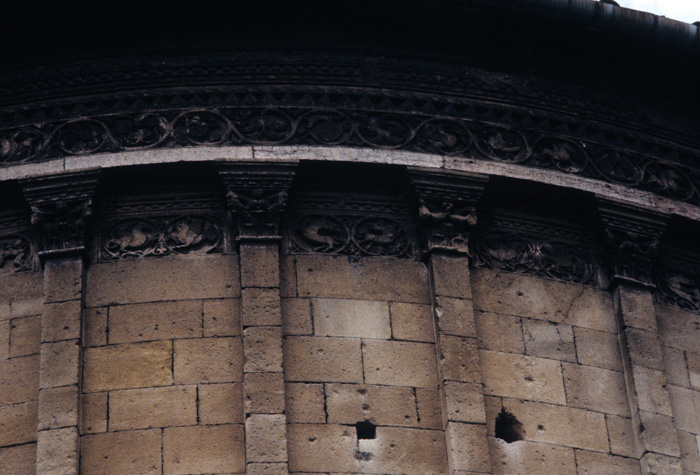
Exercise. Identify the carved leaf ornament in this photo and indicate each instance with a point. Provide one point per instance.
(16, 254)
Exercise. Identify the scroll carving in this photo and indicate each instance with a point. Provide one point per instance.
(679, 287)
(16, 254)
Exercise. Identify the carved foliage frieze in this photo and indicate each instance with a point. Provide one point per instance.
(679, 286)
(16, 254)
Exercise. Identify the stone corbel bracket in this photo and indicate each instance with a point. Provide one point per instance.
(631, 236)
(446, 208)
(61, 209)
(256, 196)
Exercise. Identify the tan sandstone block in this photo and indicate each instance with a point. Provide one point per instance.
(351, 318)
(296, 316)
(459, 359)
(451, 276)
(499, 332)
(5, 340)
(152, 407)
(24, 336)
(222, 317)
(93, 413)
(57, 451)
(325, 447)
(455, 316)
(398, 363)
(656, 464)
(650, 386)
(20, 379)
(599, 349)
(637, 307)
(373, 277)
(260, 265)
(221, 403)
(119, 453)
(412, 322)
(429, 408)
(464, 402)
(63, 279)
(19, 459)
(678, 328)
(266, 438)
(622, 437)
(659, 434)
(305, 403)
(260, 307)
(59, 363)
(403, 451)
(686, 408)
(270, 468)
(549, 340)
(492, 406)
(644, 349)
(204, 450)
(264, 393)
(169, 278)
(690, 457)
(596, 389)
(21, 295)
(155, 321)
(288, 276)
(323, 359)
(18, 423)
(382, 405)
(467, 447)
(693, 370)
(594, 463)
(524, 377)
(676, 366)
(530, 458)
(61, 321)
(263, 349)
(126, 366)
(58, 407)
(95, 326)
(208, 360)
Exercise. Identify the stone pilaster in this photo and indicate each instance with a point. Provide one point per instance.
(256, 196)
(632, 237)
(446, 207)
(60, 210)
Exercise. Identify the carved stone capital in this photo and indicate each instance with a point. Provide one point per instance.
(61, 207)
(256, 196)
(446, 208)
(631, 236)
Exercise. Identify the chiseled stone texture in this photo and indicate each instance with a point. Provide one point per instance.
(155, 321)
(528, 458)
(57, 451)
(63, 279)
(296, 316)
(20, 379)
(221, 403)
(61, 321)
(93, 413)
(351, 318)
(499, 332)
(58, 407)
(305, 403)
(323, 359)
(549, 340)
(382, 405)
(208, 360)
(596, 389)
(95, 329)
(152, 407)
(622, 437)
(19, 459)
(403, 451)
(23, 336)
(203, 450)
(678, 328)
(260, 307)
(597, 348)
(60, 363)
(118, 453)
(264, 393)
(222, 317)
(412, 322)
(21, 295)
(265, 436)
(259, 265)
(399, 363)
(595, 463)
(263, 349)
(18, 423)
(467, 447)
(324, 447)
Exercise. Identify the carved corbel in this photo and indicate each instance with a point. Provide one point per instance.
(61, 208)
(446, 208)
(256, 196)
(631, 237)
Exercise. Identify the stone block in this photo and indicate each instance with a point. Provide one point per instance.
(622, 437)
(95, 326)
(63, 279)
(260, 307)
(204, 449)
(659, 434)
(374, 278)
(678, 328)
(93, 413)
(264, 393)
(324, 447)
(492, 406)
(596, 389)
(467, 447)
(5, 340)
(221, 317)
(266, 438)
(24, 336)
(18, 423)
(118, 453)
(61, 321)
(656, 464)
(296, 316)
(305, 403)
(221, 403)
(208, 360)
(676, 366)
(650, 386)
(59, 407)
(594, 463)
(271, 468)
(455, 316)
(499, 332)
(20, 380)
(451, 276)
(412, 322)
(560, 425)
(693, 362)
(398, 363)
(459, 359)
(127, 366)
(599, 349)
(155, 321)
(288, 276)
(644, 348)
(686, 408)
(429, 408)
(169, 278)
(351, 318)
(637, 307)
(464, 402)
(152, 407)
(57, 451)
(59, 363)
(19, 459)
(21, 295)
(690, 458)
(399, 450)
(322, 359)
(524, 377)
(262, 347)
(530, 458)
(381, 405)
(549, 340)
(260, 265)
